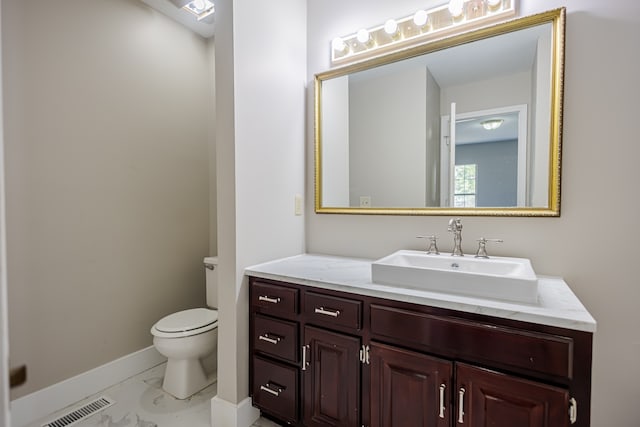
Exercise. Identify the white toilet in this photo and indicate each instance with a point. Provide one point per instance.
(187, 339)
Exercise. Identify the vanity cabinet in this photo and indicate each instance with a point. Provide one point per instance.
(486, 398)
(408, 388)
(331, 376)
(322, 357)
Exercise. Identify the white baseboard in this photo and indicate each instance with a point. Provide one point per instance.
(41, 403)
(227, 414)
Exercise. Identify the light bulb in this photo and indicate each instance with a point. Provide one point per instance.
(338, 44)
(420, 18)
(363, 36)
(391, 27)
(456, 8)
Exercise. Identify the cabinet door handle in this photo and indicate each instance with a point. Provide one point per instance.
(304, 357)
(461, 405)
(327, 312)
(268, 299)
(268, 339)
(268, 389)
(442, 407)
(573, 410)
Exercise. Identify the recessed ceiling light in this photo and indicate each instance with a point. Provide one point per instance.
(492, 124)
(200, 8)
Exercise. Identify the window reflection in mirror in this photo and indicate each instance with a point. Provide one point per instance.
(496, 142)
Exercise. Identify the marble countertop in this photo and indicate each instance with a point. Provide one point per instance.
(557, 304)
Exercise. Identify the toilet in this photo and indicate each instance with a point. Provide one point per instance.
(188, 339)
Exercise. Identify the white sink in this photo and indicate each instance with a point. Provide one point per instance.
(511, 279)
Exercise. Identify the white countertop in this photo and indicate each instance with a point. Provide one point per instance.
(557, 304)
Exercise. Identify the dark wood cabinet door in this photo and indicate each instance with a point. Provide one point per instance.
(409, 388)
(331, 379)
(490, 399)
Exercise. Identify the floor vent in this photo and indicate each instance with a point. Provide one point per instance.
(79, 414)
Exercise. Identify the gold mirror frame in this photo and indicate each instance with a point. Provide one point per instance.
(557, 18)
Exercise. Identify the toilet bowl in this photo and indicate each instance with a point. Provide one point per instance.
(188, 338)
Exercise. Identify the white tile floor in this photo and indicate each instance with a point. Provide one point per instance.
(141, 402)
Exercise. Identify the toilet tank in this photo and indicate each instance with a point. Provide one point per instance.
(211, 270)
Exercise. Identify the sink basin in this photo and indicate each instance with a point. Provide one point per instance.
(510, 279)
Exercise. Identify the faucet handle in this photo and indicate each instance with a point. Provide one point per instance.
(433, 247)
(482, 246)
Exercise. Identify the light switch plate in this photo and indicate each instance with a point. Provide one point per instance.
(297, 210)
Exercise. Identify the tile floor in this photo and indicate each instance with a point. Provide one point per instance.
(141, 402)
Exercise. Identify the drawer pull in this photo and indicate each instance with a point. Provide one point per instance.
(268, 299)
(327, 312)
(268, 339)
(268, 389)
(442, 407)
(461, 405)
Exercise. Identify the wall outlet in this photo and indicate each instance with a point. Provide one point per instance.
(297, 210)
(365, 201)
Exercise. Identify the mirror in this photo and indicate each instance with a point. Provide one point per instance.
(467, 125)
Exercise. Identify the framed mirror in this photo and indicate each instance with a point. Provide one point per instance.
(467, 125)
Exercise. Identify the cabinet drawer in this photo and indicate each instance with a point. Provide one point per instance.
(276, 337)
(274, 299)
(275, 388)
(490, 344)
(331, 310)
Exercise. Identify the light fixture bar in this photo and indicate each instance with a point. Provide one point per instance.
(422, 26)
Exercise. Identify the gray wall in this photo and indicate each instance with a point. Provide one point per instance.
(594, 244)
(335, 137)
(487, 94)
(433, 142)
(260, 65)
(107, 121)
(383, 165)
(497, 171)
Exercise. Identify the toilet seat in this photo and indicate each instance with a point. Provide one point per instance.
(186, 323)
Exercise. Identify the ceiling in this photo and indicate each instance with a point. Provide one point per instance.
(203, 28)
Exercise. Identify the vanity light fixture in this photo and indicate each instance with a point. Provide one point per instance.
(420, 27)
(200, 8)
(492, 124)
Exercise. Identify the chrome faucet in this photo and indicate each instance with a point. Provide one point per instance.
(482, 247)
(455, 227)
(433, 246)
